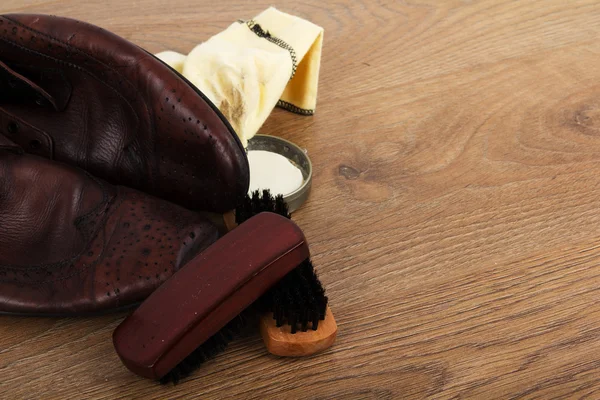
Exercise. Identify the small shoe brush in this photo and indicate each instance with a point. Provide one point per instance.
(290, 325)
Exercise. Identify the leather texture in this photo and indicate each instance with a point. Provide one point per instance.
(72, 244)
(75, 93)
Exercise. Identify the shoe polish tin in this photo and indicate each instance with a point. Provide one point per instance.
(296, 156)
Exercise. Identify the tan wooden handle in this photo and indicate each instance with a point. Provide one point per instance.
(281, 342)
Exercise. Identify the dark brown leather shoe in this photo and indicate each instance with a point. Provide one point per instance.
(75, 93)
(71, 244)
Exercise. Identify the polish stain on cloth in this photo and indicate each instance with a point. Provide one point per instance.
(253, 66)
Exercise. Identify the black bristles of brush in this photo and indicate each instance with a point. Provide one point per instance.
(260, 202)
(299, 298)
(207, 350)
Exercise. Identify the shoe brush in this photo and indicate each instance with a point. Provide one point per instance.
(194, 314)
(297, 321)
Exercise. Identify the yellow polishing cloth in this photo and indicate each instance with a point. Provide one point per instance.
(254, 65)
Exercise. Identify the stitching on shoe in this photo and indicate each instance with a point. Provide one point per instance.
(100, 258)
(79, 69)
(149, 110)
(108, 202)
(75, 49)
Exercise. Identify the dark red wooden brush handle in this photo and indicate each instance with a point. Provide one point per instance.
(208, 292)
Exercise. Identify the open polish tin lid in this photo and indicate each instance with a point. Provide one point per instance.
(295, 155)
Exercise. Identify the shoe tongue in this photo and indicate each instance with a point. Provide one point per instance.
(8, 145)
(16, 87)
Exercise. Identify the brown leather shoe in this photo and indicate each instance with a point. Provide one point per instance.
(75, 93)
(71, 244)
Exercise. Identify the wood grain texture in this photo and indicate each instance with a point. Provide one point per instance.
(456, 149)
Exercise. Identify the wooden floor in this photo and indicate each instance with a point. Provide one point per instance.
(454, 217)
